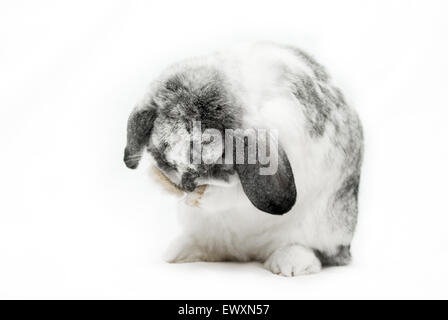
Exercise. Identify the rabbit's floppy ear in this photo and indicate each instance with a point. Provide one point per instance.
(272, 193)
(140, 124)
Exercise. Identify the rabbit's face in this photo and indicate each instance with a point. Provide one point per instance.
(182, 126)
(171, 128)
(174, 145)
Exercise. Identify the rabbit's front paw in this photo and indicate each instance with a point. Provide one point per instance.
(183, 249)
(292, 261)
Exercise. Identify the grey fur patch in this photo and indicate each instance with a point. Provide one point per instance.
(341, 258)
(317, 106)
(198, 94)
(319, 98)
(345, 205)
(319, 71)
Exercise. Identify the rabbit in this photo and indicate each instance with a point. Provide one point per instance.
(295, 221)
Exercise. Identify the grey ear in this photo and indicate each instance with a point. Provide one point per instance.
(140, 124)
(274, 194)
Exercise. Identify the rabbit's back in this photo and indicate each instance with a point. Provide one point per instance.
(285, 89)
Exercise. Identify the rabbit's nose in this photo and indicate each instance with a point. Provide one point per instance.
(188, 182)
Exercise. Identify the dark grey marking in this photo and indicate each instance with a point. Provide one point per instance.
(337, 99)
(222, 172)
(352, 142)
(341, 258)
(187, 100)
(274, 194)
(319, 71)
(344, 206)
(158, 154)
(319, 98)
(349, 188)
(317, 107)
(188, 181)
(216, 171)
(139, 128)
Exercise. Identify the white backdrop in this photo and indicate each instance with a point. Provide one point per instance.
(76, 223)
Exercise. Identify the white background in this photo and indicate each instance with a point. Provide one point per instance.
(76, 223)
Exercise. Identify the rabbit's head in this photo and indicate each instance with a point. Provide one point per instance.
(184, 125)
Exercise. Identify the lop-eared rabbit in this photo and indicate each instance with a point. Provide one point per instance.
(295, 220)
